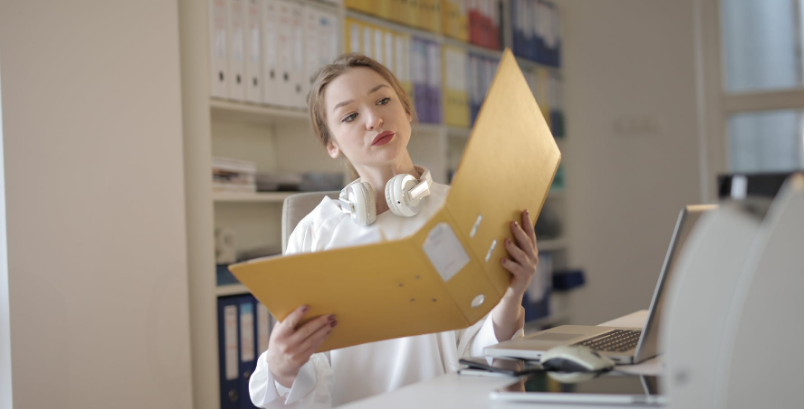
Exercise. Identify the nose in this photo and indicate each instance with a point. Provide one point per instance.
(374, 120)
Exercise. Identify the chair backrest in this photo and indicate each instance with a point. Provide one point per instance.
(296, 207)
(698, 297)
(760, 361)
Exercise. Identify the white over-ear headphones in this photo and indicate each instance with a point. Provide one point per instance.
(403, 193)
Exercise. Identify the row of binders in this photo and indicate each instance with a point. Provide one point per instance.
(268, 51)
(536, 31)
(422, 14)
(244, 328)
(473, 21)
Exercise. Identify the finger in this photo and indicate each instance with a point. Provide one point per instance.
(288, 325)
(514, 268)
(521, 237)
(528, 226)
(523, 241)
(516, 253)
(314, 341)
(309, 328)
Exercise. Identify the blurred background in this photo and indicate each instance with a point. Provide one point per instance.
(148, 144)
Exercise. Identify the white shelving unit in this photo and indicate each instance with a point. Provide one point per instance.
(277, 139)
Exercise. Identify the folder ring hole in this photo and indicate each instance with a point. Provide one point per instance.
(434, 300)
(478, 301)
(491, 249)
(477, 224)
(412, 300)
(401, 284)
(418, 277)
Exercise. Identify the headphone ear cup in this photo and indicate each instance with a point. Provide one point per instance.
(362, 195)
(396, 197)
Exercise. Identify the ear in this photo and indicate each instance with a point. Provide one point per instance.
(333, 149)
(410, 117)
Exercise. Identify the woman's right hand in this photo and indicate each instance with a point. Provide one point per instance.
(291, 347)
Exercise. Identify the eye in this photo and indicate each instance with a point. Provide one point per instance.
(349, 118)
(384, 101)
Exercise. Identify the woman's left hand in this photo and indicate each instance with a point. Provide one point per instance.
(523, 257)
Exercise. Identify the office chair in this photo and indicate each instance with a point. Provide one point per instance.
(296, 207)
(698, 297)
(760, 362)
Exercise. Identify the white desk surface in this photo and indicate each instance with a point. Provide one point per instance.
(469, 392)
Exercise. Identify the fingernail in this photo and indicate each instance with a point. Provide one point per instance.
(516, 224)
(527, 212)
(331, 318)
(305, 308)
(334, 324)
(507, 241)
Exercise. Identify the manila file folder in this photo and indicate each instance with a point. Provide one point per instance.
(447, 275)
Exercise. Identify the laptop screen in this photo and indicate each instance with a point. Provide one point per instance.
(687, 218)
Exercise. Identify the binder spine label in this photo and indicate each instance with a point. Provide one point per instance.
(445, 251)
(230, 323)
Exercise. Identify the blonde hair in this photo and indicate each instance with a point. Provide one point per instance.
(329, 72)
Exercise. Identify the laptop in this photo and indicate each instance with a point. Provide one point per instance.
(609, 389)
(622, 345)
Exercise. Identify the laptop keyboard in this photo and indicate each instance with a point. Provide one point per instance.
(619, 340)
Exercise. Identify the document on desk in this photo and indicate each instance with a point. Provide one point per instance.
(447, 275)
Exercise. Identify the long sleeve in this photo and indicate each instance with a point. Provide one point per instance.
(311, 389)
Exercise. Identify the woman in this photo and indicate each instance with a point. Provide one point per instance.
(361, 114)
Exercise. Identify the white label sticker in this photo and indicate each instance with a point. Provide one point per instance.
(230, 339)
(445, 251)
(247, 332)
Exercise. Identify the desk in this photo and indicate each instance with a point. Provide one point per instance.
(471, 392)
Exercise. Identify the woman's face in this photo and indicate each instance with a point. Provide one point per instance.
(367, 121)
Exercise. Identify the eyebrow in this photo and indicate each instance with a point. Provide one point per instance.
(371, 91)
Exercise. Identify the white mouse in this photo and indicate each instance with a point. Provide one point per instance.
(575, 358)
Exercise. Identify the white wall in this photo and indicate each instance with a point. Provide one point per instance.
(632, 148)
(95, 204)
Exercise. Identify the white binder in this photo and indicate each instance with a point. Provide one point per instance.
(328, 38)
(284, 48)
(271, 72)
(297, 75)
(253, 36)
(237, 44)
(312, 47)
(218, 21)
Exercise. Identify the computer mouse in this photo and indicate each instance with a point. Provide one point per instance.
(575, 358)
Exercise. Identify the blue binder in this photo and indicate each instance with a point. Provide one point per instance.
(229, 335)
(247, 345)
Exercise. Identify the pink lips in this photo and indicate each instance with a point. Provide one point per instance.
(383, 138)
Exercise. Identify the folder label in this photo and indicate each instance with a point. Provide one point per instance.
(445, 251)
(247, 331)
(230, 321)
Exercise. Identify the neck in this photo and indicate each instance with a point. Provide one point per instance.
(378, 176)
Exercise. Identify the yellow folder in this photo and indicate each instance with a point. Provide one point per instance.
(447, 275)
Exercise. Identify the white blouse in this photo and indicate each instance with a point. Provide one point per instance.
(348, 374)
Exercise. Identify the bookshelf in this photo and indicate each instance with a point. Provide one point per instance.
(277, 139)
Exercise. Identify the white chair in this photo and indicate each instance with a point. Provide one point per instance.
(761, 363)
(701, 287)
(296, 207)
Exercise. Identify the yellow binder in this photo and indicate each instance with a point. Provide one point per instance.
(447, 275)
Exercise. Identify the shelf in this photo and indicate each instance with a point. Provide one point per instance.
(231, 289)
(270, 197)
(262, 114)
(551, 245)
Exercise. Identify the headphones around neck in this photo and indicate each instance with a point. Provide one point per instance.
(403, 193)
